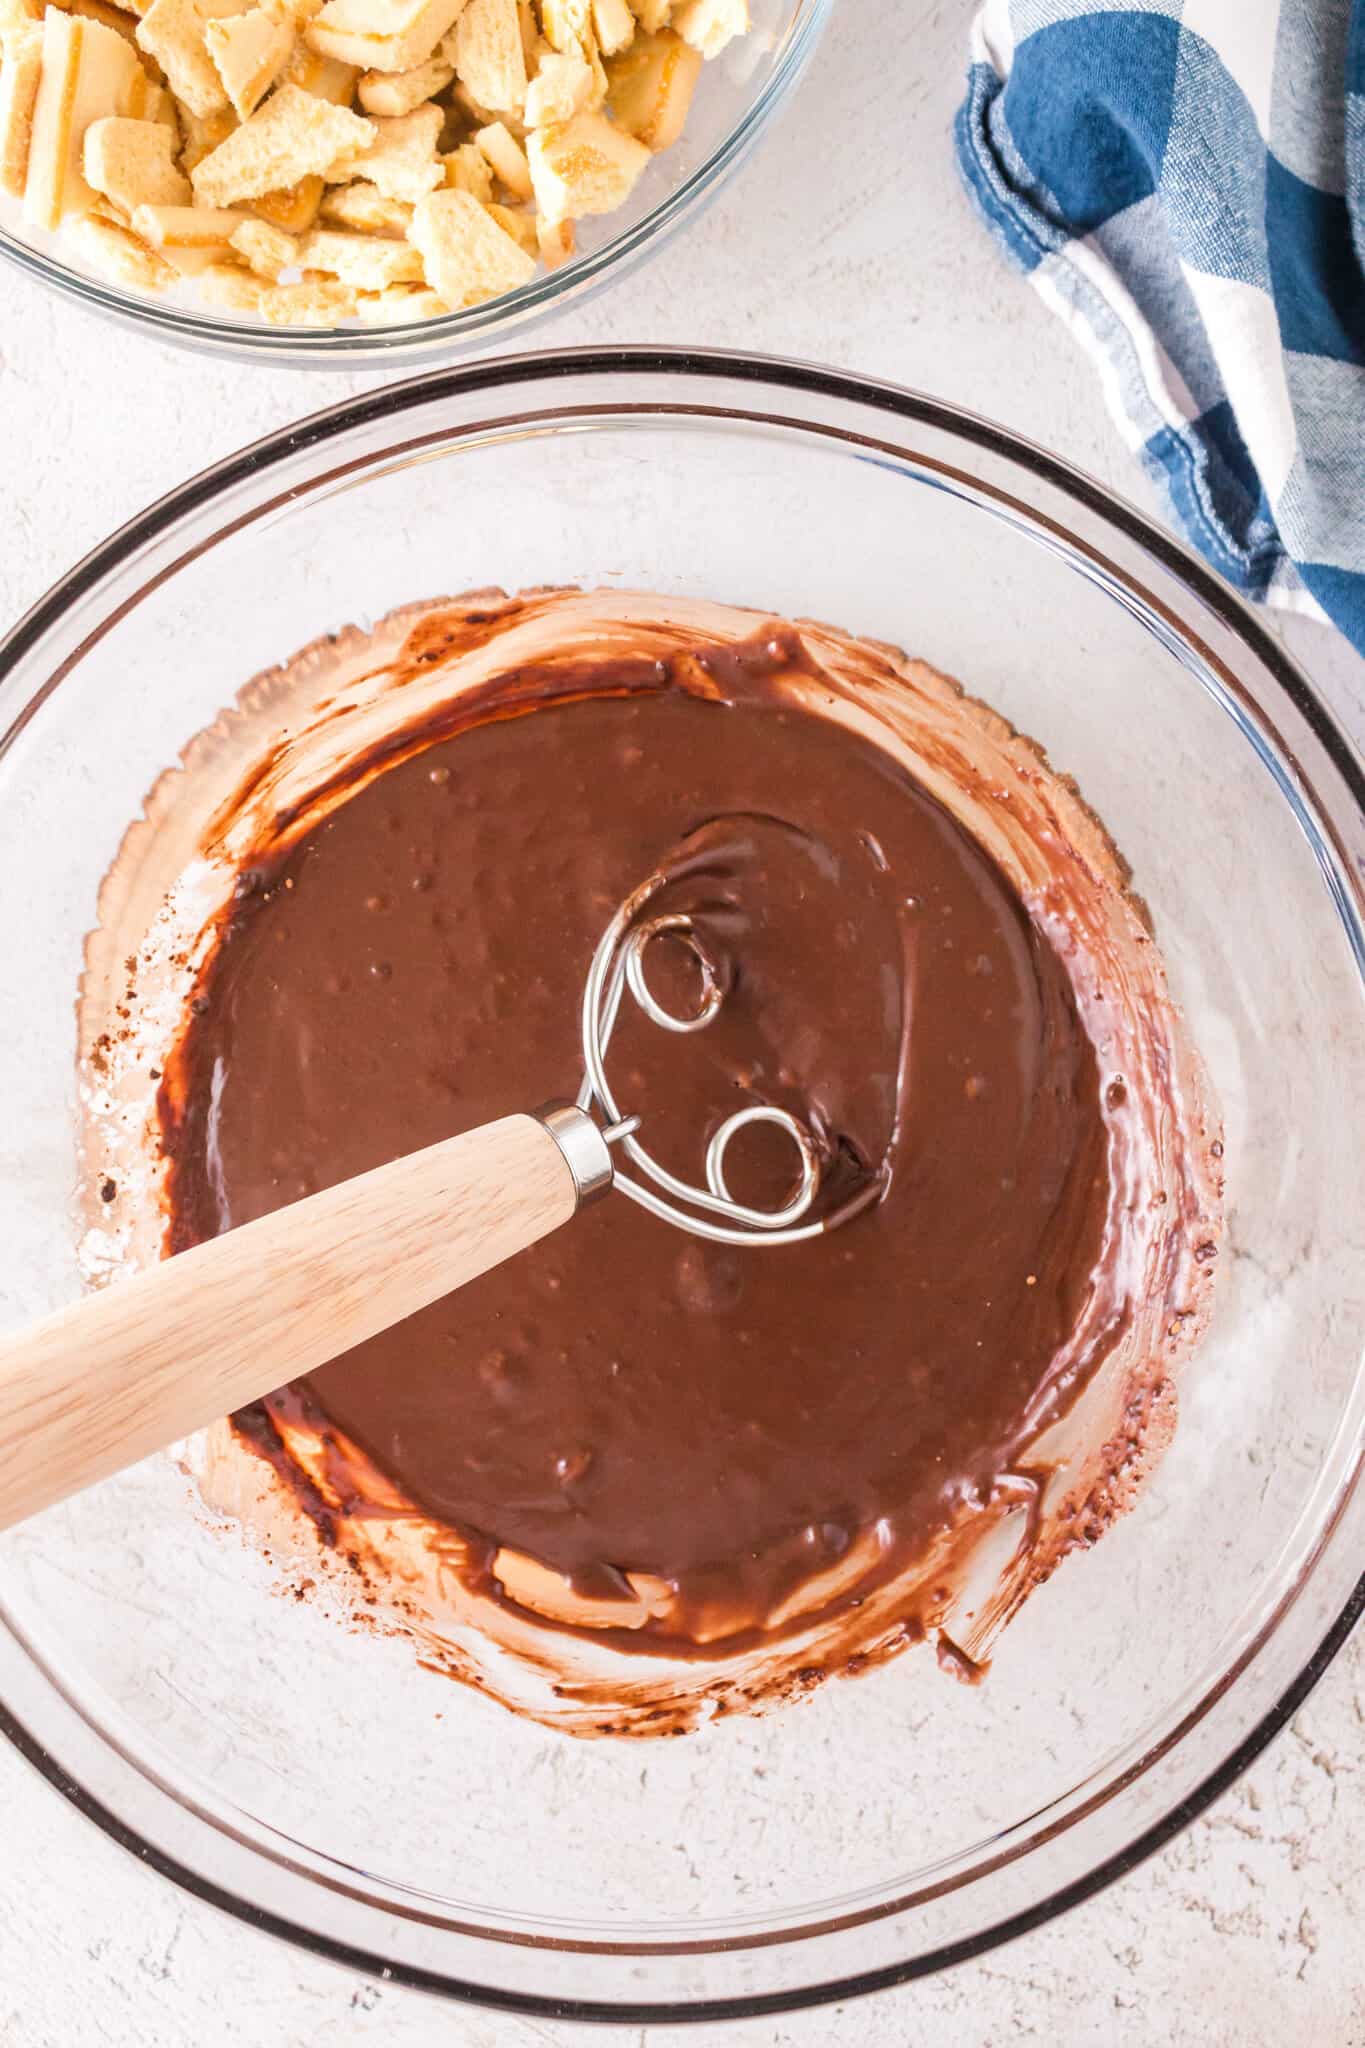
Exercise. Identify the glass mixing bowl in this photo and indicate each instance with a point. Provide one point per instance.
(323, 1785)
(736, 95)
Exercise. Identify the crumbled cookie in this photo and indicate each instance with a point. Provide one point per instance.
(368, 262)
(314, 161)
(467, 256)
(86, 72)
(133, 164)
(188, 237)
(19, 75)
(488, 54)
(265, 249)
(249, 52)
(650, 87)
(364, 207)
(294, 135)
(122, 256)
(587, 165)
(399, 156)
(400, 92)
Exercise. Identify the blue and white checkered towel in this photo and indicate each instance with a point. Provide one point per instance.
(1184, 181)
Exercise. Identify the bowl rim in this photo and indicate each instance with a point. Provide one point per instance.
(908, 407)
(413, 341)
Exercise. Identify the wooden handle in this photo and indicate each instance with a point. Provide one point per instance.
(128, 1370)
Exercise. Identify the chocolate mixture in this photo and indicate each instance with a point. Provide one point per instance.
(621, 1398)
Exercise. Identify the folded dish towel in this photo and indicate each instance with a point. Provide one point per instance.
(1184, 181)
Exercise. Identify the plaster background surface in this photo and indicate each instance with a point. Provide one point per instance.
(846, 240)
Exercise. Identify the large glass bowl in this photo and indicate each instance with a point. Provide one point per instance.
(326, 1787)
(736, 95)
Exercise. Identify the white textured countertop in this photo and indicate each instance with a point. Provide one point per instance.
(847, 240)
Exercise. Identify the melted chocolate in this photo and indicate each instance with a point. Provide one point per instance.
(622, 1398)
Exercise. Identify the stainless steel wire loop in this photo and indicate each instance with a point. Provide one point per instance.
(708, 1211)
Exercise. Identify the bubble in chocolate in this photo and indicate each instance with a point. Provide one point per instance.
(709, 1278)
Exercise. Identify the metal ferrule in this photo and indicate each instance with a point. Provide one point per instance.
(584, 1148)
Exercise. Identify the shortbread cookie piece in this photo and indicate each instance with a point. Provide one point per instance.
(582, 166)
(370, 263)
(249, 52)
(399, 157)
(709, 25)
(294, 135)
(19, 76)
(468, 258)
(400, 92)
(133, 164)
(382, 35)
(87, 72)
(650, 87)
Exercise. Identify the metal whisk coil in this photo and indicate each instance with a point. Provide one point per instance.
(710, 1211)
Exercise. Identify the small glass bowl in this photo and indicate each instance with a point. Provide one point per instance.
(323, 1785)
(737, 94)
